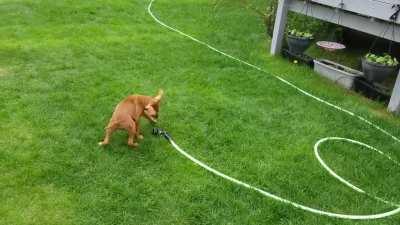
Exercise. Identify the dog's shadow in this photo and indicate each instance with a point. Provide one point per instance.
(118, 146)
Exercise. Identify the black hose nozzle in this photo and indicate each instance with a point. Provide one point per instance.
(160, 132)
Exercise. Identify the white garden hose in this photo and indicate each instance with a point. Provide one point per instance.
(316, 151)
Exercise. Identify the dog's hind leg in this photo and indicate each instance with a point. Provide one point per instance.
(109, 131)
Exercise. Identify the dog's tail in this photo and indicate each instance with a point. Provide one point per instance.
(159, 95)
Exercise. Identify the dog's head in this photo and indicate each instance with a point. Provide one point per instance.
(151, 109)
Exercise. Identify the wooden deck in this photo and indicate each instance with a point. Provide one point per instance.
(379, 9)
(369, 16)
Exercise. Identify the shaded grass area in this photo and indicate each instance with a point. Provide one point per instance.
(67, 63)
(350, 58)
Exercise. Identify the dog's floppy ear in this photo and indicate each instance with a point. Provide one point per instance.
(159, 96)
(149, 106)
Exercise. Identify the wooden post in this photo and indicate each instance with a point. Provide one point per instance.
(394, 104)
(280, 25)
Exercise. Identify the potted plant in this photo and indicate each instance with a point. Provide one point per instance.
(377, 68)
(298, 41)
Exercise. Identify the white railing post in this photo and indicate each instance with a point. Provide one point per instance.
(280, 25)
(394, 104)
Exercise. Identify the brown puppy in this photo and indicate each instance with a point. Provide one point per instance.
(127, 114)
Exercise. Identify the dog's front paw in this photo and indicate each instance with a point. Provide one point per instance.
(133, 145)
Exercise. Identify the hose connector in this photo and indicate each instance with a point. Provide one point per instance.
(160, 132)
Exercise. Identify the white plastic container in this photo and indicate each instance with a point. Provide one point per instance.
(342, 75)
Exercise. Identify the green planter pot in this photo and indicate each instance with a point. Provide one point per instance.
(298, 45)
(375, 72)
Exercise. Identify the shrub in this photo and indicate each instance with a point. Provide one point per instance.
(296, 21)
(386, 59)
(300, 34)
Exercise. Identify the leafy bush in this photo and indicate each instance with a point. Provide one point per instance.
(296, 21)
(269, 18)
(300, 34)
(386, 59)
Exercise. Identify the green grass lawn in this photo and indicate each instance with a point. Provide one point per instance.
(65, 64)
